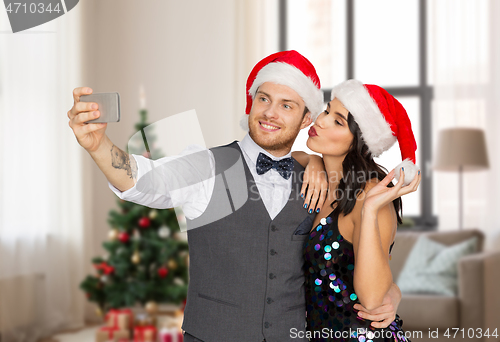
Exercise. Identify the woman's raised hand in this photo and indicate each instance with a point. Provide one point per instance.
(314, 185)
(380, 195)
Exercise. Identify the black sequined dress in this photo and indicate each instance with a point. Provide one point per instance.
(330, 297)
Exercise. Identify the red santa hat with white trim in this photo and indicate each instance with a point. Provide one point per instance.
(287, 68)
(382, 121)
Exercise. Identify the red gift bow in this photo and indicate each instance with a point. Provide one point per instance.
(114, 314)
(111, 331)
(139, 332)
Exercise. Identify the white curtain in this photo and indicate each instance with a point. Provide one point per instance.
(41, 223)
(256, 32)
(466, 73)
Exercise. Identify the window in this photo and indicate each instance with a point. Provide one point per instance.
(379, 42)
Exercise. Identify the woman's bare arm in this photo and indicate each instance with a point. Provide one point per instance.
(301, 157)
(314, 181)
(374, 231)
(372, 238)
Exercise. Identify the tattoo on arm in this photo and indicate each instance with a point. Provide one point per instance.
(122, 160)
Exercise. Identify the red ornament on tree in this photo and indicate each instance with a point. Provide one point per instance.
(109, 270)
(144, 222)
(123, 237)
(103, 266)
(162, 272)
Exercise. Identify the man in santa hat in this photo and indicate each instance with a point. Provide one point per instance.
(246, 280)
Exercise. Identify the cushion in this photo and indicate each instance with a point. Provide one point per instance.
(432, 267)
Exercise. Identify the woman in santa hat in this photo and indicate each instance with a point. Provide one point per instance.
(348, 250)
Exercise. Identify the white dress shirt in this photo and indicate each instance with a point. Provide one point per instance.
(194, 198)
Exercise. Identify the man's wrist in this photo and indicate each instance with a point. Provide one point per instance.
(105, 145)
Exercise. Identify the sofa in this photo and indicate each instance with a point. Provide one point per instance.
(474, 309)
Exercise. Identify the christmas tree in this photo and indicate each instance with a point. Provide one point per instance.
(147, 260)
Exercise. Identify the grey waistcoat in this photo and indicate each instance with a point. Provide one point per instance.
(246, 279)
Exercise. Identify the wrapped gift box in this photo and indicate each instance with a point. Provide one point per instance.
(170, 335)
(120, 318)
(105, 334)
(145, 333)
(170, 322)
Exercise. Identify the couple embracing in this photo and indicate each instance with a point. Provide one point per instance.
(304, 257)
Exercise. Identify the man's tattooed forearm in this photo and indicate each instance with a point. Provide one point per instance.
(121, 160)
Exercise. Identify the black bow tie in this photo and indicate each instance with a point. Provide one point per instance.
(283, 166)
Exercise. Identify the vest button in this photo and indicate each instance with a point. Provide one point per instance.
(271, 276)
(269, 300)
(273, 252)
(274, 228)
(267, 325)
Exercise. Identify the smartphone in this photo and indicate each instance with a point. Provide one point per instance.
(109, 106)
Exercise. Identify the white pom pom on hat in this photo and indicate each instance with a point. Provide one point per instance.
(382, 121)
(287, 68)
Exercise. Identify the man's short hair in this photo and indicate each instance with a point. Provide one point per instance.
(305, 112)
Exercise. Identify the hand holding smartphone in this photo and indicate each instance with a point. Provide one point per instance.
(109, 106)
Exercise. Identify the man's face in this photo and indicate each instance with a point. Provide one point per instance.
(276, 118)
